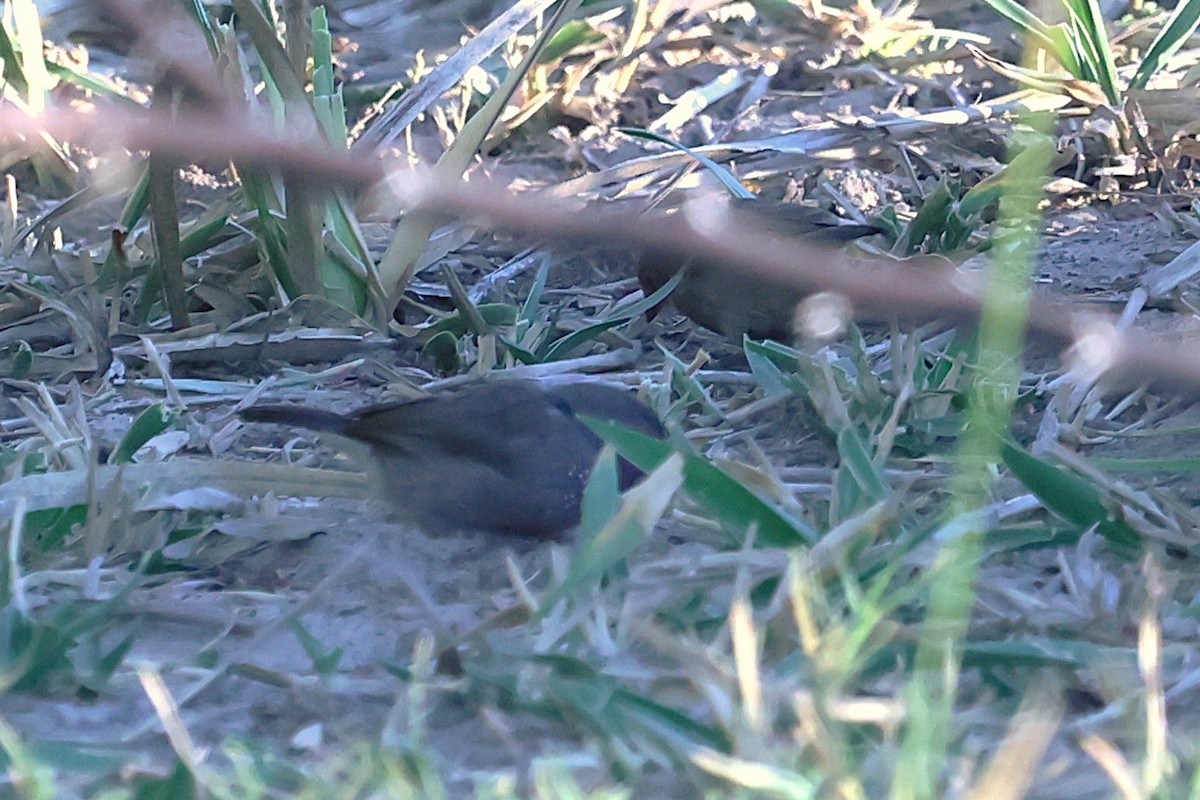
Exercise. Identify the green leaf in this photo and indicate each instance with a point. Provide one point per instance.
(22, 361)
(150, 423)
(324, 660)
(519, 353)
(268, 230)
(718, 493)
(1031, 537)
(11, 63)
(1070, 496)
(494, 315)
(206, 235)
(1180, 465)
(604, 547)
(91, 82)
(1091, 36)
(1055, 37)
(48, 528)
(1034, 651)
(768, 361)
(179, 785)
(675, 728)
(529, 307)
(857, 461)
(571, 35)
(1179, 28)
(685, 384)
(930, 221)
(601, 495)
(602, 703)
(442, 347)
(564, 346)
(647, 303)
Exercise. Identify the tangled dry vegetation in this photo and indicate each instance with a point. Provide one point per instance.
(945, 549)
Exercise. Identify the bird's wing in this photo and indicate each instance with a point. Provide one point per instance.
(489, 427)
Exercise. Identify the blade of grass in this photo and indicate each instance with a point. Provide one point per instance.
(1179, 28)
(150, 423)
(600, 549)
(28, 24)
(384, 130)
(1069, 496)
(931, 692)
(412, 234)
(720, 494)
(1053, 38)
(727, 178)
(1088, 22)
(164, 215)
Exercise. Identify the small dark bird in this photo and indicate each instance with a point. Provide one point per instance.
(733, 302)
(507, 456)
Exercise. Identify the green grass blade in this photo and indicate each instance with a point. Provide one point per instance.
(1052, 37)
(1092, 41)
(28, 24)
(718, 493)
(408, 242)
(1069, 496)
(861, 467)
(931, 693)
(530, 306)
(1179, 28)
(564, 346)
(601, 549)
(87, 81)
(12, 72)
(150, 423)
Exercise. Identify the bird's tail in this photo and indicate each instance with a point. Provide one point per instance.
(317, 419)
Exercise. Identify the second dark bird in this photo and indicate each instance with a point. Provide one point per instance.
(508, 456)
(734, 302)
